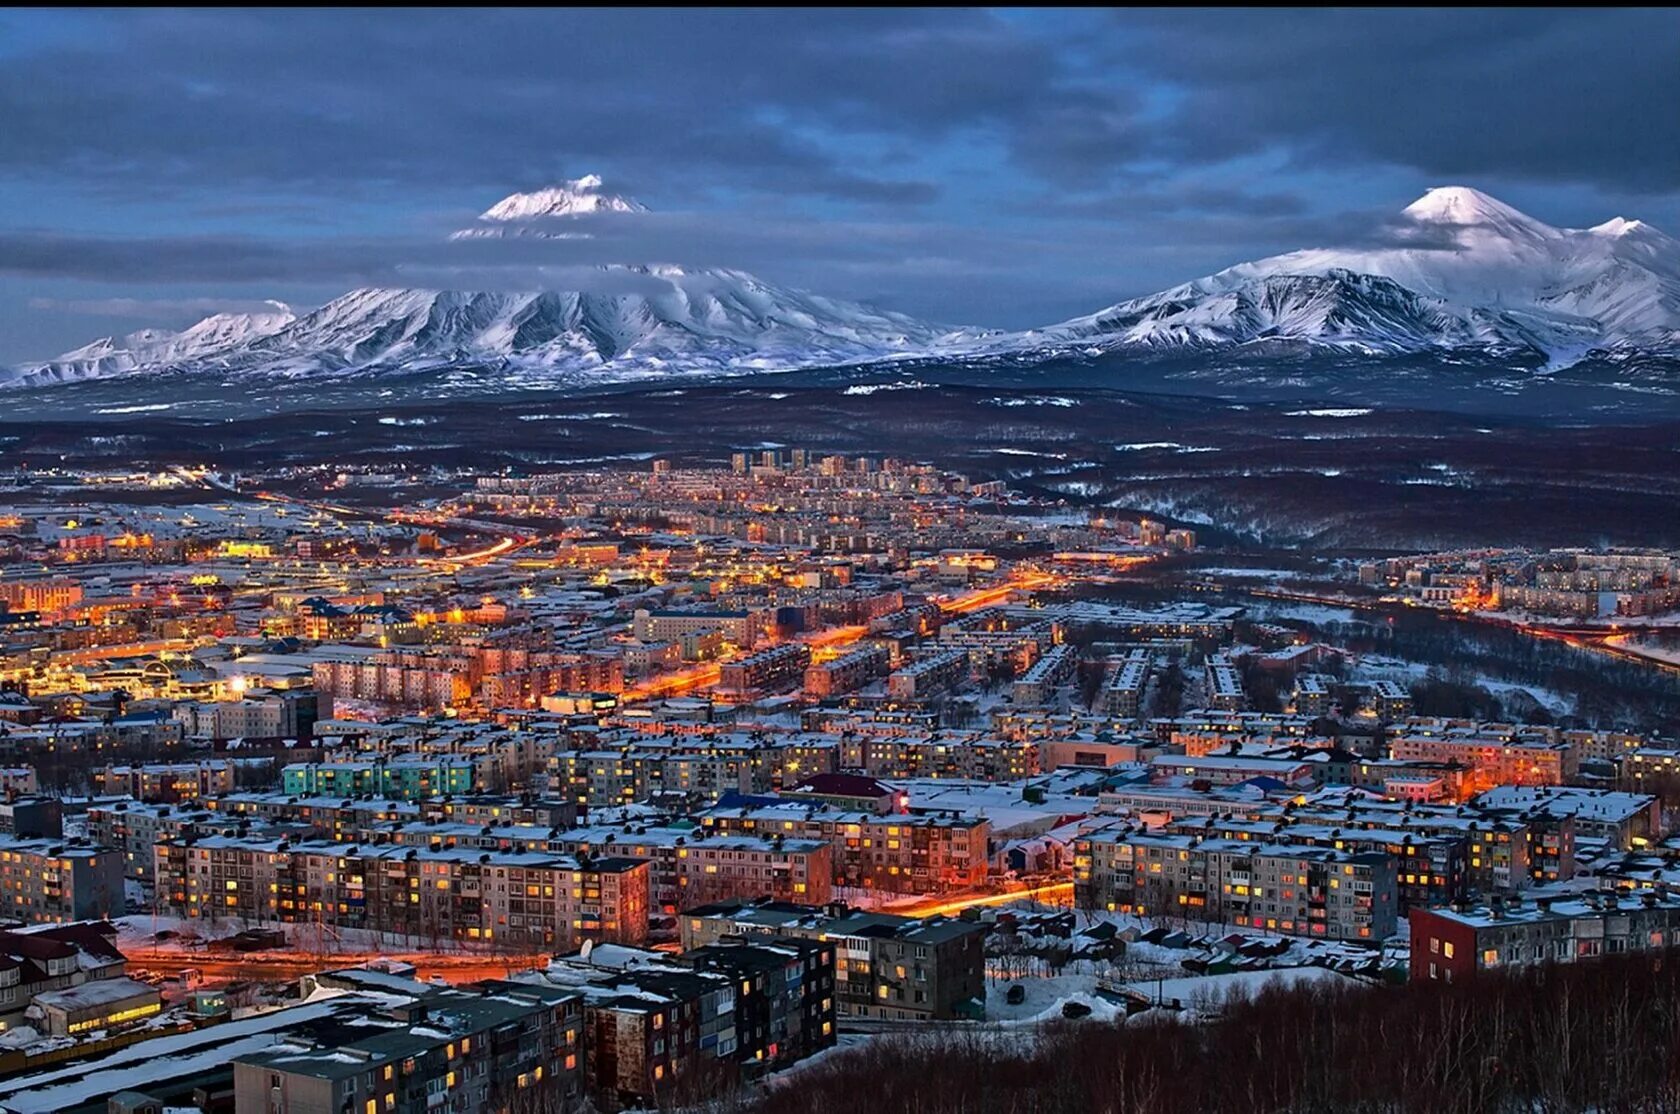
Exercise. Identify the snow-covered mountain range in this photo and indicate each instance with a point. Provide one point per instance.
(638, 321)
(1460, 269)
(1455, 270)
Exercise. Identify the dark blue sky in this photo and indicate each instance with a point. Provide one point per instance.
(995, 168)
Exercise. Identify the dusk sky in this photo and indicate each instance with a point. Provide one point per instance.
(993, 168)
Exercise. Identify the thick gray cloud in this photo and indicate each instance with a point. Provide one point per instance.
(755, 99)
(496, 98)
(1577, 95)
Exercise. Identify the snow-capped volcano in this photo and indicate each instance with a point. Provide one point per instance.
(1456, 268)
(634, 321)
(529, 214)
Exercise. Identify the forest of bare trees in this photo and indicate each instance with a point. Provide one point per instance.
(1600, 1037)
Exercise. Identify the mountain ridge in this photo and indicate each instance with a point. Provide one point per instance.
(1456, 269)
(1491, 276)
(641, 320)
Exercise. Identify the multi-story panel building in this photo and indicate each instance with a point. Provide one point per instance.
(1288, 888)
(902, 968)
(519, 899)
(898, 854)
(507, 1046)
(846, 673)
(1224, 685)
(410, 779)
(786, 1009)
(134, 830)
(45, 881)
(1123, 685)
(1453, 944)
(972, 757)
(1429, 869)
(741, 628)
(1034, 687)
(1504, 850)
(687, 866)
(655, 1023)
(1623, 820)
(929, 676)
(768, 670)
(166, 782)
(1493, 761)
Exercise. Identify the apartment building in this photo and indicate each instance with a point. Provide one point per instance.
(896, 854)
(1224, 685)
(770, 670)
(702, 771)
(1035, 687)
(515, 677)
(1493, 761)
(51, 596)
(135, 829)
(740, 628)
(1622, 820)
(1429, 869)
(687, 866)
(1505, 849)
(410, 779)
(886, 966)
(1123, 685)
(1289, 888)
(972, 757)
(995, 638)
(846, 673)
(335, 818)
(1456, 943)
(653, 1021)
(928, 677)
(786, 1008)
(1313, 694)
(437, 1050)
(259, 714)
(522, 899)
(45, 881)
(407, 678)
(166, 782)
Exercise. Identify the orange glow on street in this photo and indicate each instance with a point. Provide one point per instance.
(1054, 893)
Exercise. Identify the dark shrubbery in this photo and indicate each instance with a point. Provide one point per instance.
(1603, 1036)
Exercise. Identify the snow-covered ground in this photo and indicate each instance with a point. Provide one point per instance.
(1375, 667)
(1653, 650)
